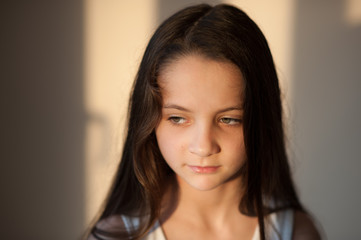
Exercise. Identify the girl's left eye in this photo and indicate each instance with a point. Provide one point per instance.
(230, 121)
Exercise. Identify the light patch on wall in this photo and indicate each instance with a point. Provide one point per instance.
(116, 33)
(353, 12)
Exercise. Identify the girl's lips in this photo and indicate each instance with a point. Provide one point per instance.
(206, 169)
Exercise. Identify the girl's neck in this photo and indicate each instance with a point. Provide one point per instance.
(211, 206)
(212, 214)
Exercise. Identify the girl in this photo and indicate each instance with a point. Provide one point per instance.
(204, 156)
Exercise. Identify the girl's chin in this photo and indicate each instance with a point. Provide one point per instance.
(203, 185)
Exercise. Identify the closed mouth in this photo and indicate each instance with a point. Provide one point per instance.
(204, 169)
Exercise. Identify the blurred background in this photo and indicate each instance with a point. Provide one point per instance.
(66, 71)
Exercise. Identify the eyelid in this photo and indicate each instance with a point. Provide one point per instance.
(233, 120)
(172, 119)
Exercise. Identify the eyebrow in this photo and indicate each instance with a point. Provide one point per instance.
(174, 106)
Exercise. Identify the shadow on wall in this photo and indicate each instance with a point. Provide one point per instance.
(168, 7)
(327, 113)
(42, 156)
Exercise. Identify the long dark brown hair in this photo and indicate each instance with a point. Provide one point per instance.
(222, 33)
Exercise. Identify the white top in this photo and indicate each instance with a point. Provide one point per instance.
(280, 227)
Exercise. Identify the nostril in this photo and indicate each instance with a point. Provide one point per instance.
(200, 152)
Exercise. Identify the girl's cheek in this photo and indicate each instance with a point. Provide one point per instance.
(166, 137)
(171, 141)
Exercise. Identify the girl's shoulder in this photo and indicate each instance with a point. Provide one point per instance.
(279, 225)
(304, 227)
(290, 224)
(126, 225)
(111, 224)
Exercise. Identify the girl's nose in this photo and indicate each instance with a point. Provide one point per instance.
(203, 142)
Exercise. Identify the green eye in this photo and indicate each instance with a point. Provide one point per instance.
(230, 121)
(176, 120)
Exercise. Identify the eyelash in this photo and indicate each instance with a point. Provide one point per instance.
(176, 120)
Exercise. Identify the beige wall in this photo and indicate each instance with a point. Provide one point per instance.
(116, 33)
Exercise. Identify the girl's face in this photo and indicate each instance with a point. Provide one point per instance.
(200, 134)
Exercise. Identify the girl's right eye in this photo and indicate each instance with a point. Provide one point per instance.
(177, 120)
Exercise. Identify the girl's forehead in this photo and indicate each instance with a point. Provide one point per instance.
(196, 66)
(198, 80)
